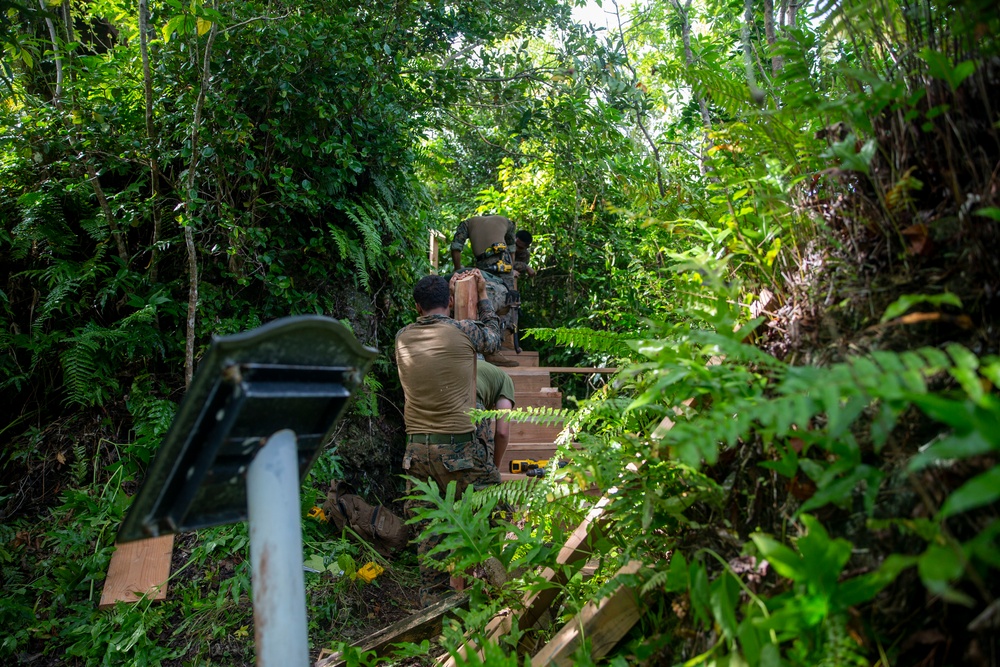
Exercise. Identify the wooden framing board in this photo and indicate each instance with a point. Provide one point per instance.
(138, 569)
(466, 298)
(536, 370)
(529, 432)
(603, 622)
(579, 546)
(415, 628)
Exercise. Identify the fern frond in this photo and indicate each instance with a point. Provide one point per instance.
(657, 581)
(340, 238)
(546, 416)
(589, 340)
(79, 467)
(86, 372)
(358, 257)
(517, 492)
(369, 229)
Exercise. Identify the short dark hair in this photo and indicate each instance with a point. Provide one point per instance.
(525, 236)
(431, 292)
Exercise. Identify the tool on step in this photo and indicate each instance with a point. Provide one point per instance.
(532, 467)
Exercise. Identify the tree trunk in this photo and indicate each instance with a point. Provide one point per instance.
(154, 165)
(756, 94)
(771, 35)
(706, 119)
(638, 107)
(57, 102)
(56, 54)
(192, 253)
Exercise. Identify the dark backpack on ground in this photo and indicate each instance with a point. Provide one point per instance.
(376, 524)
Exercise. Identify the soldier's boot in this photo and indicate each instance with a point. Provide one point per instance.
(498, 359)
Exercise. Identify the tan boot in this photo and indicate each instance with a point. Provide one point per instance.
(498, 359)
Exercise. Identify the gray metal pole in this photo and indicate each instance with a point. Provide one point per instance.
(279, 591)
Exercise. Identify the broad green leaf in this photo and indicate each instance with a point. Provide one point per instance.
(991, 212)
(724, 598)
(786, 465)
(907, 301)
(983, 545)
(950, 447)
(841, 491)
(957, 414)
(863, 588)
(978, 491)
(938, 567)
(940, 562)
(786, 562)
(822, 558)
(700, 601)
(940, 67)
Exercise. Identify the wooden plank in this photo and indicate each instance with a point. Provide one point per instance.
(138, 569)
(527, 432)
(529, 384)
(466, 304)
(415, 628)
(577, 547)
(563, 369)
(603, 623)
(537, 399)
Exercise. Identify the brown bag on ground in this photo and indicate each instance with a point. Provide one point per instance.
(376, 524)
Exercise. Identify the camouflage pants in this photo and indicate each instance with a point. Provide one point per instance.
(485, 432)
(498, 287)
(467, 464)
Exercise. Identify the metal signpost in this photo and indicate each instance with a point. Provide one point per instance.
(257, 415)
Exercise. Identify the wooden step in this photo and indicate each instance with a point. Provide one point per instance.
(538, 399)
(525, 432)
(529, 380)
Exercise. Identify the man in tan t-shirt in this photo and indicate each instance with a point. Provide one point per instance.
(436, 361)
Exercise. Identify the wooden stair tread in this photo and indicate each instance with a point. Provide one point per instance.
(545, 370)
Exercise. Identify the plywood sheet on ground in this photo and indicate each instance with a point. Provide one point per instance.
(138, 568)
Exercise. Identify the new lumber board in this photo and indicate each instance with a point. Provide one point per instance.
(527, 432)
(534, 383)
(420, 626)
(602, 622)
(466, 298)
(138, 568)
(578, 546)
(540, 370)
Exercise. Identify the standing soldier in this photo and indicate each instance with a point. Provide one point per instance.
(436, 361)
(494, 242)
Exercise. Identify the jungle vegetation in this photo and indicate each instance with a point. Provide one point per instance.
(779, 219)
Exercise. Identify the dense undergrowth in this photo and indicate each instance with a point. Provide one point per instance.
(782, 228)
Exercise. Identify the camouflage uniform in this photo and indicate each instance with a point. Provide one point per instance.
(468, 464)
(499, 283)
(436, 363)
